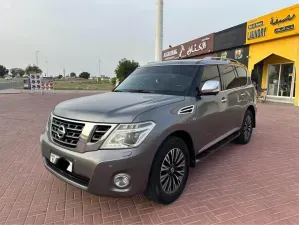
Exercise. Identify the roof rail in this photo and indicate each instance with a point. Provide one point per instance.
(219, 58)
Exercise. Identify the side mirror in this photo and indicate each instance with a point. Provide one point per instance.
(210, 87)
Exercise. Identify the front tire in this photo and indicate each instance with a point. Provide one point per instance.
(169, 172)
(246, 130)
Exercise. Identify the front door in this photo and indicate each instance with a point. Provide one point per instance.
(257, 73)
(281, 80)
(209, 111)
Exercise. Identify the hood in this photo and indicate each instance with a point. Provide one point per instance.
(112, 107)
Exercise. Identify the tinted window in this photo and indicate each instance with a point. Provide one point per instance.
(229, 77)
(169, 79)
(242, 76)
(209, 73)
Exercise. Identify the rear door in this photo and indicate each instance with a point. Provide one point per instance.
(231, 98)
(246, 91)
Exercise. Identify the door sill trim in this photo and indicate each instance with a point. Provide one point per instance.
(210, 150)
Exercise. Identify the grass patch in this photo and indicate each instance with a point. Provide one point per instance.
(82, 85)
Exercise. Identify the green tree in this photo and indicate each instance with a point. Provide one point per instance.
(16, 71)
(113, 81)
(3, 71)
(72, 74)
(124, 68)
(60, 76)
(84, 75)
(32, 69)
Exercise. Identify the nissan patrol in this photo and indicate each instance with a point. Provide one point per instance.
(145, 135)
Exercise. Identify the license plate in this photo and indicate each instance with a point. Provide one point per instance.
(54, 159)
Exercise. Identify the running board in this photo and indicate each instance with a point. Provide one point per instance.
(201, 156)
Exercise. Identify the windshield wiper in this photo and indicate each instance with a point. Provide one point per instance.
(140, 91)
(134, 91)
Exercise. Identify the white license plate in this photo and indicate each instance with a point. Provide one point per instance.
(54, 158)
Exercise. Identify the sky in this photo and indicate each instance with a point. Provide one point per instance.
(75, 34)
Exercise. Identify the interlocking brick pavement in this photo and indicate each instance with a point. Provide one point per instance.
(253, 184)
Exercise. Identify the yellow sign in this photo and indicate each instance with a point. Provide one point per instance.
(223, 55)
(278, 24)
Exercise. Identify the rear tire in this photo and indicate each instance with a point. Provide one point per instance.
(169, 172)
(246, 130)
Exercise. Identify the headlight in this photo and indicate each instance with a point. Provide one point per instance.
(128, 135)
(48, 122)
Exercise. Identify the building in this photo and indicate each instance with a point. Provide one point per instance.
(267, 45)
(273, 53)
(230, 43)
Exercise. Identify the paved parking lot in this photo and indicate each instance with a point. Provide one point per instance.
(253, 184)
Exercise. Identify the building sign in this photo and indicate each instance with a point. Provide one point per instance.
(278, 24)
(239, 54)
(278, 21)
(171, 53)
(284, 29)
(230, 38)
(261, 32)
(256, 25)
(223, 55)
(190, 49)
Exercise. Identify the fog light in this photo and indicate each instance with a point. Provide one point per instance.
(122, 180)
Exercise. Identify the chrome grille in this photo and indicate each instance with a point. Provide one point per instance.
(71, 134)
(99, 132)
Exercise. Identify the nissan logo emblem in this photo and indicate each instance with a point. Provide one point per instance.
(61, 131)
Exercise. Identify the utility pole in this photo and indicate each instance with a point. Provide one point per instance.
(63, 72)
(159, 30)
(99, 68)
(36, 54)
(47, 68)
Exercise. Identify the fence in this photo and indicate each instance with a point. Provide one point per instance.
(14, 84)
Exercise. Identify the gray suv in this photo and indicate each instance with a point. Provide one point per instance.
(145, 135)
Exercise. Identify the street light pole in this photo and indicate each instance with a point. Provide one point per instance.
(47, 68)
(99, 68)
(37, 57)
(159, 30)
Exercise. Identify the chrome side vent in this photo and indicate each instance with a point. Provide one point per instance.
(186, 110)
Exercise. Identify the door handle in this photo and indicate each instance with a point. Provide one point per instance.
(223, 100)
(242, 94)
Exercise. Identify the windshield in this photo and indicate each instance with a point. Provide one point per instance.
(169, 80)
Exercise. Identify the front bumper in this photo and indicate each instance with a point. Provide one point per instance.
(94, 171)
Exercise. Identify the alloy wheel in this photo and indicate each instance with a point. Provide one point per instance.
(172, 170)
(247, 127)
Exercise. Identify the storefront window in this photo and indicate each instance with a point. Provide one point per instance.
(273, 77)
(285, 84)
(281, 80)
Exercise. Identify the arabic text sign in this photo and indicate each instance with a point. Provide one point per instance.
(190, 49)
(278, 24)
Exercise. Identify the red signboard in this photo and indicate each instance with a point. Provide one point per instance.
(190, 49)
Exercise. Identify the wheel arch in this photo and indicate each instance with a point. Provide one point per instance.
(252, 109)
(186, 137)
